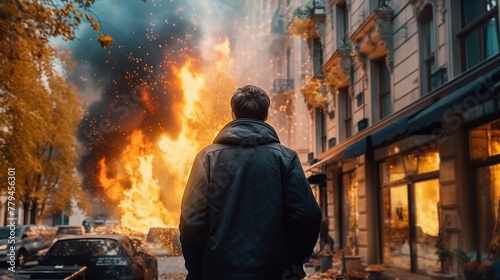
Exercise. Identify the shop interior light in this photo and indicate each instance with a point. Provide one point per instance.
(411, 163)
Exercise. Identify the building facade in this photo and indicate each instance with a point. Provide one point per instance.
(404, 124)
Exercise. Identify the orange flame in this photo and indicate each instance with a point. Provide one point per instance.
(111, 186)
(203, 112)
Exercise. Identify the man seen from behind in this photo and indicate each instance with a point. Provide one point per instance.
(248, 212)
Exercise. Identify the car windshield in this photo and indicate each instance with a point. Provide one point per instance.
(70, 230)
(85, 247)
(5, 232)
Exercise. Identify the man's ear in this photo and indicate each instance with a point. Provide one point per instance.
(233, 116)
(267, 115)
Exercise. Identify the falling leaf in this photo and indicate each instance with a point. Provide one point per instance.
(95, 25)
(105, 40)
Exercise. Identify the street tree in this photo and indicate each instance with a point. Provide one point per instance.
(39, 109)
(41, 113)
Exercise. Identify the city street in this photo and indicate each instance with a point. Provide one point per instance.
(169, 268)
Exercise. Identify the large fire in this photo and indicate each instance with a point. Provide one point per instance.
(204, 110)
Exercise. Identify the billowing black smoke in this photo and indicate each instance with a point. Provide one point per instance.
(134, 77)
(137, 88)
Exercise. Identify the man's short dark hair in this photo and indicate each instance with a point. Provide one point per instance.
(250, 102)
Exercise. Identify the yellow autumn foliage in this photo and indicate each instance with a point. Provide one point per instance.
(301, 26)
(95, 26)
(311, 94)
(105, 40)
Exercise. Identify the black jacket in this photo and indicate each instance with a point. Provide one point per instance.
(248, 211)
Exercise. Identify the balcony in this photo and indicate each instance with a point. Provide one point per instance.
(309, 21)
(338, 69)
(282, 96)
(373, 39)
(318, 10)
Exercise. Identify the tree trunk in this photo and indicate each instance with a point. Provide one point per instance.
(33, 211)
(26, 212)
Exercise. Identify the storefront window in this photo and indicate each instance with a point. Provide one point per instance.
(401, 167)
(488, 179)
(351, 208)
(392, 170)
(396, 227)
(485, 140)
(410, 200)
(426, 223)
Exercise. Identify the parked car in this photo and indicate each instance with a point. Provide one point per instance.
(105, 256)
(163, 241)
(30, 242)
(70, 230)
(65, 230)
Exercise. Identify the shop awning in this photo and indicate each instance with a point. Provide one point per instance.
(481, 89)
(390, 132)
(358, 148)
(317, 179)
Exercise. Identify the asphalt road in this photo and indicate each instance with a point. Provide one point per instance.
(169, 268)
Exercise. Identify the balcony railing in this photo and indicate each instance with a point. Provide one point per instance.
(281, 86)
(302, 13)
(318, 9)
(315, 8)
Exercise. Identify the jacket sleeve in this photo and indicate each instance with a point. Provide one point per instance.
(301, 212)
(194, 225)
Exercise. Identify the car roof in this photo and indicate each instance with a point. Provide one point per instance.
(68, 226)
(23, 226)
(118, 237)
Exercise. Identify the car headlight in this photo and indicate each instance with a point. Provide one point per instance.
(3, 247)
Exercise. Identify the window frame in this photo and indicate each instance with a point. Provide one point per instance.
(348, 129)
(476, 25)
(475, 164)
(383, 93)
(409, 181)
(428, 46)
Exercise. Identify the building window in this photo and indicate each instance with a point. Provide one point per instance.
(427, 46)
(410, 198)
(346, 101)
(384, 82)
(317, 57)
(320, 122)
(485, 154)
(485, 140)
(341, 25)
(289, 63)
(479, 37)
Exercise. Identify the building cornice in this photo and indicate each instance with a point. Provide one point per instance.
(373, 39)
(338, 69)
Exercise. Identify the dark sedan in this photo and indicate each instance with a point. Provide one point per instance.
(21, 244)
(105, 256)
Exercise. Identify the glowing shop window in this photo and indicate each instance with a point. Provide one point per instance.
(488, 186)
(396, 227)
(427, 225)
(351, 208)
(401, 167)
(485, 140)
